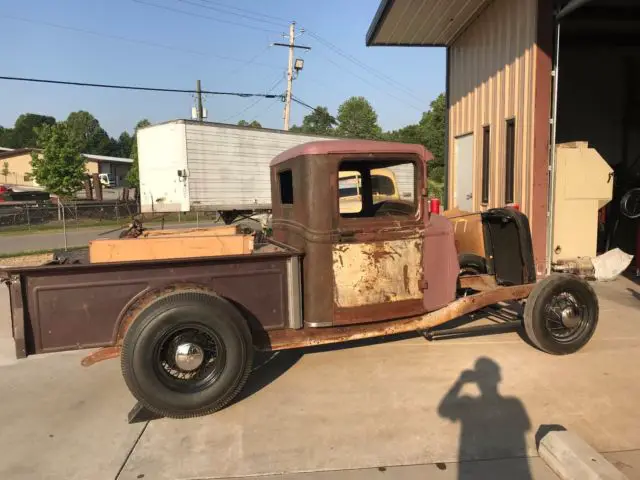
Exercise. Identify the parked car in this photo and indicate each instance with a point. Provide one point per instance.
(19, 194)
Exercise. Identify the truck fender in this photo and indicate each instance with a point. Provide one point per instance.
(131, 311)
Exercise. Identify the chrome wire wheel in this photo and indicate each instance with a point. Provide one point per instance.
(565, 319)
(561, 314)
(189, 358)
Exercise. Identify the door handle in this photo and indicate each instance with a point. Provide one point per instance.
(469, 196)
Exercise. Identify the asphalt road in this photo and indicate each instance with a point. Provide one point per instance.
(75, 238)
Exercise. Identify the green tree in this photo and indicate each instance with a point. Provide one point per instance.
(59, 167)
(430, 132)
(433, 125)
(124, 145)
(24, 133)
(5, 170)
(408, 134)
(89, 136)
(318, 122)
(358, 119)
(133, 177)
(253, 124)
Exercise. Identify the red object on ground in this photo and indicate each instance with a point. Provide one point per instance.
(434, 206)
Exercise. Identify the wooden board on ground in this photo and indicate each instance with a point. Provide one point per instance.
(163, 248)
(193, 232)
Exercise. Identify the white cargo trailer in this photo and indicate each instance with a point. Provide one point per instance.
(188, 165)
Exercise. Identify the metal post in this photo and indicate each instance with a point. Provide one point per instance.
(552, 167)
(287, 104)
(197, 220)
(28, 219)
(64, 224)
(200, 111)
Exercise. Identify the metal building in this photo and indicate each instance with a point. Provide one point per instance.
(523, 76)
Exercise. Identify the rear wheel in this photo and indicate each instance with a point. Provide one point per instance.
(187, 354)
(561, 314)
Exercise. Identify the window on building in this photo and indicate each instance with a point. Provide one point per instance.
(510, 161)
(286, 187)
(377, 188)
(486, 146)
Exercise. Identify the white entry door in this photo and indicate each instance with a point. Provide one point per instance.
(463, 193)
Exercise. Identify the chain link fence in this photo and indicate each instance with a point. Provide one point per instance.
(27, 216)
(22, 217)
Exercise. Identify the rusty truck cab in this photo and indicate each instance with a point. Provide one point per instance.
(386, 259)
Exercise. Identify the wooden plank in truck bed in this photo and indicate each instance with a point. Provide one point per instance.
(158, 248)
(193, 232)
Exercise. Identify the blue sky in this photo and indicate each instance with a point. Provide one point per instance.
(134, 42)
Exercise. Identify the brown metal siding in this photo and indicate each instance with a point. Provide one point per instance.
(492, 65)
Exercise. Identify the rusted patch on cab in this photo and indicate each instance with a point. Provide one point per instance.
(380, 272)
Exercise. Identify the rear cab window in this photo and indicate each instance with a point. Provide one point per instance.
(383, 187)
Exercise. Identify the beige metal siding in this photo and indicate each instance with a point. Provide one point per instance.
(491, 81)
(19, 167)
(20, 170)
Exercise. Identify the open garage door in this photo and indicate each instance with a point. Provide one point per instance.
(598, 101)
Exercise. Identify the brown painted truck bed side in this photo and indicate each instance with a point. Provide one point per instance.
(65, 307)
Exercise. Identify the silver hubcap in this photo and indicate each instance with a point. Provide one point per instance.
(189, 356)
(570, 318)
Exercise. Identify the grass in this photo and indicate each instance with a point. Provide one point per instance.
(55, 227)
(38, 252)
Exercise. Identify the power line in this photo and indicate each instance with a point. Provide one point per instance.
(314, 110)
(251, 61)
(136, 41)
(269, 107)
(250, 12)
(252, 104)
(300, 102)
(144, 89)
(382, 76)
(197, 15)
(224, 10)
(377, 87)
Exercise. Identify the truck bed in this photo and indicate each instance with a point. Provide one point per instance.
(67, 307)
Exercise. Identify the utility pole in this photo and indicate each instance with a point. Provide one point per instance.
(297, 66)
(199, 111)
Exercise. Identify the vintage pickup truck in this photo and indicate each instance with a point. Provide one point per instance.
(186, 330)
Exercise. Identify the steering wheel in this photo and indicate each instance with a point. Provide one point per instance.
(390, 207)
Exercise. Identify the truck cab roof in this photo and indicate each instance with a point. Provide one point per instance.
(329, 147)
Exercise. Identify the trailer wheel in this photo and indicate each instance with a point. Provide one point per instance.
(561, 314)
(187, 354)
(228, 217)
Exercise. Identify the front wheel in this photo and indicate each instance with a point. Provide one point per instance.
(188, 353)
(561, 314)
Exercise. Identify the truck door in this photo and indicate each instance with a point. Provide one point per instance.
(377, 251)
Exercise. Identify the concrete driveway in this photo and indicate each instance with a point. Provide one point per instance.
(374, 410)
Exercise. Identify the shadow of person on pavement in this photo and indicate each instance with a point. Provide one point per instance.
(491, 426)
